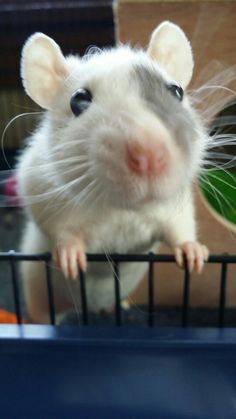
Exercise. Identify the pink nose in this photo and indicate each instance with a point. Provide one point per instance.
(146, 159)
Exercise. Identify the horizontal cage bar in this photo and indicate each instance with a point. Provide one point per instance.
(95, 257)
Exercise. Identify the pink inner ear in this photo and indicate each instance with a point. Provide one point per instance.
(170, 47)
(43, 69)
(60, 67)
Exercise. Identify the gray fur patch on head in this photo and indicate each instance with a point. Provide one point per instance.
(155, 93)
(151, 84)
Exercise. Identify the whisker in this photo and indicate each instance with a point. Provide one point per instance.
(7, 126)
(74, 300)
(87, 192)
(217, 191)
(222, 180)
(69, 144)
(217, 165)
(221, 156)
(213, 193)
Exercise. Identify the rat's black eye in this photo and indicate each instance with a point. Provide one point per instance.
(80, 101)
(176, 90)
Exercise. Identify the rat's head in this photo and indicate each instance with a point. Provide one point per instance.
(120, 125)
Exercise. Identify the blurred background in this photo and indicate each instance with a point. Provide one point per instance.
(77, 25)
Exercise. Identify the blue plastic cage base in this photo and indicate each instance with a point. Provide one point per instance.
(67, 372)
(50, 372)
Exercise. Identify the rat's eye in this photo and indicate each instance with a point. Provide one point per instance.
(176, 90)
(80, 101)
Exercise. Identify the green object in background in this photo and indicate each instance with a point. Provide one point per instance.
(219, 190)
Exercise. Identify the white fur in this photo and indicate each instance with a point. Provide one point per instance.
(73, 177)
(43, 68)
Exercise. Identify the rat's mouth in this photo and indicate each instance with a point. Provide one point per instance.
(132, 193)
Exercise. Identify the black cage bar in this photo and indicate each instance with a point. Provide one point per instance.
(13, 258)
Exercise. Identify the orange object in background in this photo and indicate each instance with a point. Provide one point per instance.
(8, 317)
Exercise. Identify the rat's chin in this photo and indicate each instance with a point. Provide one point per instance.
(154, 193)
(130, 199)
(130, 193)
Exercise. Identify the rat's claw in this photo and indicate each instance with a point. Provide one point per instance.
(69, 256)
(195, 253)
(179, 256)
(206, 252)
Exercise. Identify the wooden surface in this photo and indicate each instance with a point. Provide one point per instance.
(209, 25)
(211, 28)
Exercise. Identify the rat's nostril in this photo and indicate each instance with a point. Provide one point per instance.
(146, 160)
(137, 162)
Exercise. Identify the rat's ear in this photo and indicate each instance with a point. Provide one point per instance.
(43, 69)
(171, 48)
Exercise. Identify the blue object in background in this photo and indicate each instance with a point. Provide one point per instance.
(88, 373)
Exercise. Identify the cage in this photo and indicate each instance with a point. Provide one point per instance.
(104, 372)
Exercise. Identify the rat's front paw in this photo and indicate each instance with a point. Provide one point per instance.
(68, 256)
(195, 253)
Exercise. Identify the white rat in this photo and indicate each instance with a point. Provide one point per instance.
(110, 167)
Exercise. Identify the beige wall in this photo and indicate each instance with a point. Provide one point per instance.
(209, 25)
